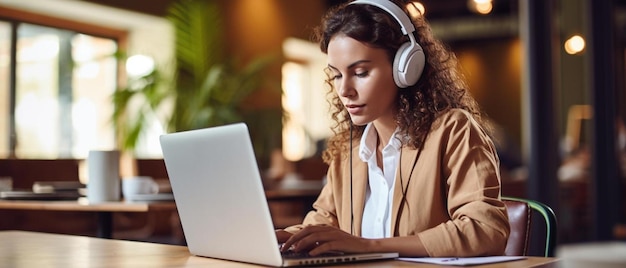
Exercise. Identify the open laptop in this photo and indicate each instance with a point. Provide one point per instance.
(221, 201)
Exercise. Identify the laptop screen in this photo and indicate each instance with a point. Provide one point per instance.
(219, 194)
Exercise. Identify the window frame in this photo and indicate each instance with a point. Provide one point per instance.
(16, 16)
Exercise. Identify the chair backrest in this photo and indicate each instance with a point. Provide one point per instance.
(520, 218)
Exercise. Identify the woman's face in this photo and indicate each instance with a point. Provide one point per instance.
(363, 80)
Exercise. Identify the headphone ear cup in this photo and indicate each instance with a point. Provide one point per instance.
(408, 65)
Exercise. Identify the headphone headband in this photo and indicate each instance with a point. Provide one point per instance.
(393, 10)
(409, 60)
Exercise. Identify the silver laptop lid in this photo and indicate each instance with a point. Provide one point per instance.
(219, 194)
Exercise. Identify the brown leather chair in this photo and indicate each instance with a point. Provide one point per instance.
(520, 218)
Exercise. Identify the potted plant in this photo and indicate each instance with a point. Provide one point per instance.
(205, 89)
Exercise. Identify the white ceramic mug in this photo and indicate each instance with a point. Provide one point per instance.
(138, 185)
(103, 181)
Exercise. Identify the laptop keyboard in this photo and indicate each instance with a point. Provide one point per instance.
(290, 254)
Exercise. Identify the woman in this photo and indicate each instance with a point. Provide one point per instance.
(411, 169)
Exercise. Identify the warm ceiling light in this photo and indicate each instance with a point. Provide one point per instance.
(484, 8)
(480, 6)
(416, 9)
(574, 45)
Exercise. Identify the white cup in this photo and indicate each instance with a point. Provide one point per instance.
(138, 185)
(103, 181)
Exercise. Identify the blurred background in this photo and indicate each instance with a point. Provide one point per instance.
(115, 74)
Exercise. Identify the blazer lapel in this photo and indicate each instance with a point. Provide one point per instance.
(359, 188)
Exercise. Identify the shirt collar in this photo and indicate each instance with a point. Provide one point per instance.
(367, 146)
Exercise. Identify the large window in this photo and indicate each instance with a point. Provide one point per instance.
(304, 100)
(59, 67)
(59, 104)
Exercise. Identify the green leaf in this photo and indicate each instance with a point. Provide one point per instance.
(206, 90)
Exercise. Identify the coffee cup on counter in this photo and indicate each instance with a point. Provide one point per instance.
(139, 185)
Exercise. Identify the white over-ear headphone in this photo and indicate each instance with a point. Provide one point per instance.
(409, 61)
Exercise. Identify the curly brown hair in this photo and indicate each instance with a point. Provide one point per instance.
(440, 88)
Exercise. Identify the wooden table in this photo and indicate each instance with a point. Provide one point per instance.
(29, 249)
(103, 210)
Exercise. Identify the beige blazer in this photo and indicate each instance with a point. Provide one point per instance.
(451, 198)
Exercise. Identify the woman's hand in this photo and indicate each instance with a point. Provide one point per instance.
(282, 236)
(317, 239)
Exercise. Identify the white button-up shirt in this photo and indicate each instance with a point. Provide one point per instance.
(378, 198)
